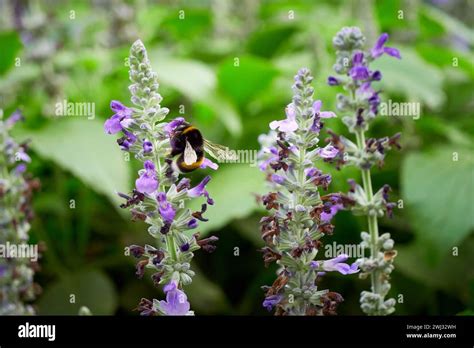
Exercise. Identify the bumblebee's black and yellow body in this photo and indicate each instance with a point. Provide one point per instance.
(187, 135)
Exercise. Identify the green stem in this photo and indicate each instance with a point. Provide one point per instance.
(171, 246)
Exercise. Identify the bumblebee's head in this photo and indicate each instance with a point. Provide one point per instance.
(187, 144)
(183, 134)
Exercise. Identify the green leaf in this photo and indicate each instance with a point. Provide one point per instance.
(232, 187)
(387, 13)
(187, 25)
(192, 78)
(438, 193)
(81, 147)
(10, 44)
(452, 274)
(90, 288)
(245, 81)
(412, 77)
(445, 58)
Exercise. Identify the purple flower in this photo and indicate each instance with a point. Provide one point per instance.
(318, 115)
(273, 156)
(358, 70)
(317, 177)
(208, 163)
(379, 48)
(147, 146)
(192, 223)
(311, 172)
(289, 124)
(278, 179)
(365, 90)
(22, 155)
(20, 169)
(200, 190)
(374, 102)
(14, 118)
(166, 209)
(171, 126)
(127, 140)
(327, 216)
(121, 118)
(176, 300)
(322, 114)
(376, 76)
(271, 301)
(3, 270)
(337, 264)
(327, 152)
(147, 182)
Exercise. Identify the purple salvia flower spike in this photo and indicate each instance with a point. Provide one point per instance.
(288, 159)
(367, 153)
(159, 194)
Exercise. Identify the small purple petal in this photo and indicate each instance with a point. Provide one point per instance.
(171, 126)
(126, 122)
(327, 152)
(166, 209)
(149, 165)
(326, 217)
(317, 106)
(184, 247)
(337, 264)
(23, 156)
(392, 52)
(147, 182)
(286, 126)
(271, 301)
(206, 163)
(289, 124)
(358, 58)
(20, 169)
(176, 301)
(117, 106)
(14, 118)
(200, 190)
(379, 48)
(332, 81)
(327, 114)
(359, 73)
(376, 76)
(310, 172)
(381, 40)
(147, 146)
(112, 125)
(278, 179)
(192, 223)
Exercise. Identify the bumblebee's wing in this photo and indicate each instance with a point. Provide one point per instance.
(190, 155)
(219, 152)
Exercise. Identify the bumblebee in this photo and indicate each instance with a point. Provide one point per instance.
(188, 148)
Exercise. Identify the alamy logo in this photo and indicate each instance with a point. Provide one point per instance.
(84, 109)
(37, 331)
(407, 109)
(19, 251)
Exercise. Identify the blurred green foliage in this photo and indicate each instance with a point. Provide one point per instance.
(228, 65)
